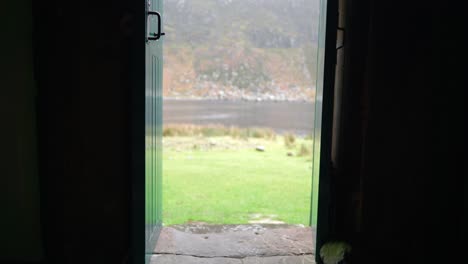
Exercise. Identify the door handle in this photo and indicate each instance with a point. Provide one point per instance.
(157, 35)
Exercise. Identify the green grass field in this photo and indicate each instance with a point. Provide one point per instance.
(224, 180)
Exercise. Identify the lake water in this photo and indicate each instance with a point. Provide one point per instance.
(295, 117)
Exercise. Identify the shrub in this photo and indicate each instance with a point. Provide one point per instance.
(179, 130)
(269, 134)
(188, 130)
(304, 151)
(256, 133)
(235, 132)
(169, 132)
(289, 140)
(259, 132)
(214, 131)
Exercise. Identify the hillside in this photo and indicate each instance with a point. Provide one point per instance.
(240, 49)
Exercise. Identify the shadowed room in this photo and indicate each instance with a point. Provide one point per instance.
(392, 170)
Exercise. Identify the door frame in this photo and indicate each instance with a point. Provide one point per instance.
(137, 131)
(324, 205)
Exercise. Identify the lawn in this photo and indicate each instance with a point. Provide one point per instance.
(225, 180)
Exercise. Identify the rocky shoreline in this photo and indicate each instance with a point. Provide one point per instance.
(293, 94)
(258, 99)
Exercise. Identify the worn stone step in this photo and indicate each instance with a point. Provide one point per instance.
(236, 241)
(306, 259)
(175, 259)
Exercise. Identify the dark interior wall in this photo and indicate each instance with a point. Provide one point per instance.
(20, 236)
(402, 135)
(398, 137)
(64, 137)
(83, 74)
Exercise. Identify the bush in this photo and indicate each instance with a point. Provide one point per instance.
(289, 140)
(188, 130)
(269, 134)
(169, 132)
(304, 151)
(180, 130)
(214, 131)
(235, 132)
(258, 132)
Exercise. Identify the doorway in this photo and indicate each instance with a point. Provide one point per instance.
(206, 77)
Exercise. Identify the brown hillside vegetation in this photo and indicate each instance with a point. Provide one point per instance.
(234, 53)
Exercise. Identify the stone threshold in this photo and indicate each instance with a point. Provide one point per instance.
(182, 259)
(200, 243)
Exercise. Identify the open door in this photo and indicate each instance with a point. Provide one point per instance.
(146, 131)
(153, 125)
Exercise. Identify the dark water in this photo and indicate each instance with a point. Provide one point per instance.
(295, 117)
